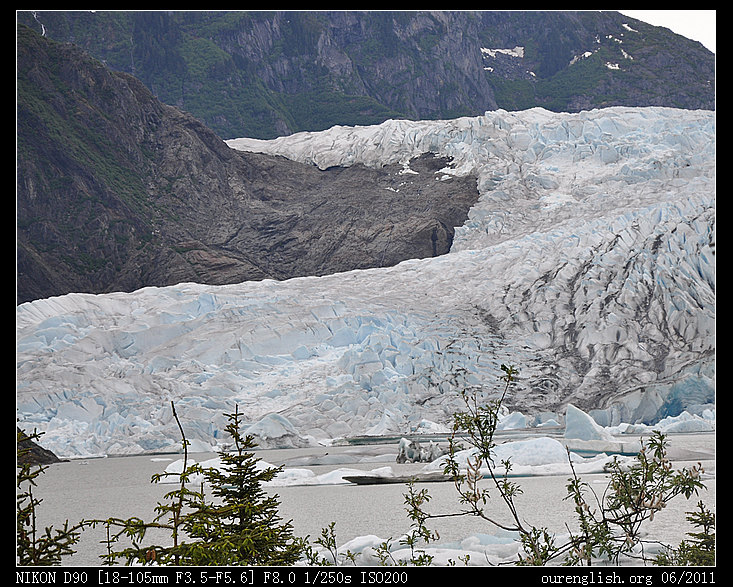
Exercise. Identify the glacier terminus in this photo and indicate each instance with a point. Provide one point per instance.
(588, 263)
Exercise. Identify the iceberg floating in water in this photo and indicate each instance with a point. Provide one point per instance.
(585, 448)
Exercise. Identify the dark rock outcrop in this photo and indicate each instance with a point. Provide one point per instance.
(31, 453)
(117, 191)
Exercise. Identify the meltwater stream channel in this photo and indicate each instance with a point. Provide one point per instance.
(121, 487)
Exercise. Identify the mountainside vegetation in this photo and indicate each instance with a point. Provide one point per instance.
(123, 180)
(118, 191)
(271, 73)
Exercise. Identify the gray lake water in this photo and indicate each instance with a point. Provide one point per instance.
(121, 487)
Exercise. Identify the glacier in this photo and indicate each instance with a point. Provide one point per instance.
(588, 263)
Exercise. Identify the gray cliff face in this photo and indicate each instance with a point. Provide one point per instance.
(119, 188)
(117, 191)
(265, 74)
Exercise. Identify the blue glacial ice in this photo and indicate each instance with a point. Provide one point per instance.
(588, 263)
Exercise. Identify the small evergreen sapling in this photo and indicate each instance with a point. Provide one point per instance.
(243, 527)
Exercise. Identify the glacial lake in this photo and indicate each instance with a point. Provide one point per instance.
(121, 487)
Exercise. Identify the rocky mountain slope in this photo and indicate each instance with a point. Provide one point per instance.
(117, 191)
(272, 73)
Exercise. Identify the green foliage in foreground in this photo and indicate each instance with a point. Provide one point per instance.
(700, 549)
(35, 547)
(608, 528)
(241, 525)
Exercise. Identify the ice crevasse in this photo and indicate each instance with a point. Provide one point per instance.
(588, 262)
